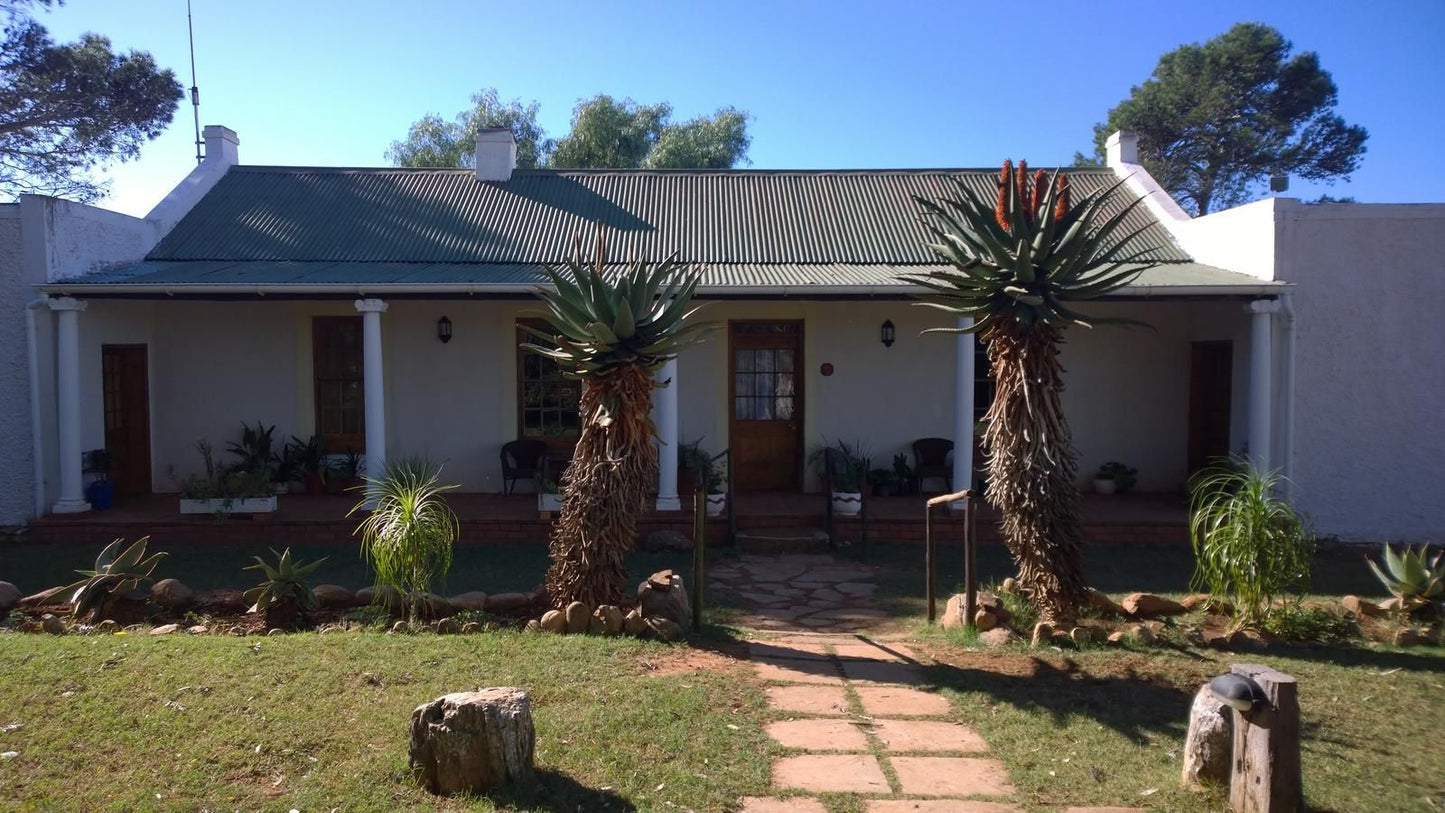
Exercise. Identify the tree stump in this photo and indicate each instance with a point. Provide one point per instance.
(1207, 745)
(1266, 772)
(473, 741)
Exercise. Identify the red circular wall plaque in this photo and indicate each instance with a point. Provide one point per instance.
(826, 369)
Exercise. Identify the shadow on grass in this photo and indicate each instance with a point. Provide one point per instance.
(1427, 659)
(1127, 702)
(561, 793)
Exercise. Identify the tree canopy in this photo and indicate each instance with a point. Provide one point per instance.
(65, 109)
(605, 133)
(1216, 120)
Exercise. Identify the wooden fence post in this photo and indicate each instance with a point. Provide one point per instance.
(1265, 775)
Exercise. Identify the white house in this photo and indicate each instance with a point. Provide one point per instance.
(311, 298)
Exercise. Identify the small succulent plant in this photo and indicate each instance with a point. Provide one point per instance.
(118, 576)
(285, 596)
(1412, 576)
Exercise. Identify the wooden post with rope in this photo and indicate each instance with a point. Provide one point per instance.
(970, 558)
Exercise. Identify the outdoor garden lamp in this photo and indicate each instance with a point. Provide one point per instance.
(888, 333)
(444, 329)
(1238, 692)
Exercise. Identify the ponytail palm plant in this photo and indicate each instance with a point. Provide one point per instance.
(611, 328)
(1018, 264)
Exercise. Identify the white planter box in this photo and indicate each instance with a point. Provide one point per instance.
(235, 505)
(716, 503)
(847, 503)
(549, 503)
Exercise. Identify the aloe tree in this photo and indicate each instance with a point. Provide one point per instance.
(1018, 263)
(612, 327)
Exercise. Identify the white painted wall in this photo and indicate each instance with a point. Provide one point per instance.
(1369, 451)
(15, 465)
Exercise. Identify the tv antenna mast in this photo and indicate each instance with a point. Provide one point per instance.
(195, 91)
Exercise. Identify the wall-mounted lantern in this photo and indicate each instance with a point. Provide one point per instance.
(888, 333)
(444, 329)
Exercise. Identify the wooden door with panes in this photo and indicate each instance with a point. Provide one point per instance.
(126, 389)
(765, 371)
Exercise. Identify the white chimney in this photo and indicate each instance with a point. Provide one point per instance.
(1122, 148)
(496, 154)
(222, 144)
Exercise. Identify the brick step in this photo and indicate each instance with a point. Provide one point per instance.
(782, 539)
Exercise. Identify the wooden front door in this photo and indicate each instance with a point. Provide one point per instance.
(126, 384)
(765, 391)
(1211, 368)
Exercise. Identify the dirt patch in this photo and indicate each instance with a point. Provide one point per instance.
(684, 659)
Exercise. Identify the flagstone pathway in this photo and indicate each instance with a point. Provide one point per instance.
(857, 720)
(800, 592)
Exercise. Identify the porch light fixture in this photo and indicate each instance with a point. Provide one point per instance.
(444, 329)
(888, 333)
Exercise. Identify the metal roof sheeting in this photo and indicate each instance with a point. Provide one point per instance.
(447, 216)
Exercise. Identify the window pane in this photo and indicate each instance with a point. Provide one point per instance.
(743, 409)
(764, 385)
(785, 360)
(763, 408)
(765, 361)
(744, 385)
(783, 408)
(744, 360)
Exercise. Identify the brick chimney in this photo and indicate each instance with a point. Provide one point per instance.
(496, 154)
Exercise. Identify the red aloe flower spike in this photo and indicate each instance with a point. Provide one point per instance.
(1041, 188)
(1021, 179)
(1005, 182)
(1062, 204)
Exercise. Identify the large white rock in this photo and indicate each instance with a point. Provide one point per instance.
(1209, 742)
(662, 595)
(474, 741)
(9, 597)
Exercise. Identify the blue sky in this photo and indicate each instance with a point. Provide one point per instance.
(829, 84)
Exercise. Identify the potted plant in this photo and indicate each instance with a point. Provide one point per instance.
(285, 469)
(882, 482)
(310, 457)
(844, 467)
(101, 491)
(688, 455)
(549, 497)
(221, 492)
(345, 473)
(903, 475)
(1115, 478)
(715, 480)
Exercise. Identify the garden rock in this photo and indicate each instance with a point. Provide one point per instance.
(532, 625)
(382, 595)
(1043, 634)
(1207, 603)
(447, 626)
(999, 636)
(432, 605)
(1009, 585)
(1102, 604)
(1084, 635)
(660, 541)
(9, 597)
(475, 600)
(165, 629)
(1411, 637)
(1148, 605)
(553, 621)
(611, 618)
(198, 629)
(107, 627)
(983, 620)
(664, 629)
(1208, 743)
(507, 602)
(52, 625)
(471, 628)
(271, 633)
(953, 612)
(1357, 606)
(172, 594)
(474, 741)
(334, 597)
(662, 596)
(633, 624)
(224, 601)
(579, 616)
(44, 597)
(399, 628)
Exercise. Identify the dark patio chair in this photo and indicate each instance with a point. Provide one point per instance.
(521, 460)
(930, 460)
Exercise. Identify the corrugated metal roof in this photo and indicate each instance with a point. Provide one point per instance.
(796, 278)
(448, 216)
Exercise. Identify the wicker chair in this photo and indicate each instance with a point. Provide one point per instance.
(930, 460)
(521, 460)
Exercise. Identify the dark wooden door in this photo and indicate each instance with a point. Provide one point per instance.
(765, 371)
(126, 384)
(1211, 367)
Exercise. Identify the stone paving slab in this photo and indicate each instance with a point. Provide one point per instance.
(938, 806)
(795, 671)
(903, 674)
(927, 735)
(818, 735)
(821, 701)
(801, 651)
(797, 804)
(1106, 810)
(899, 701)
(874, 651)
(852, 773)
(951, 776)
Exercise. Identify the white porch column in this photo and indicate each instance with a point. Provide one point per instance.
(664, 416)
(67, 385)
(1261, 376)
(963, 412)
(375, 389)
